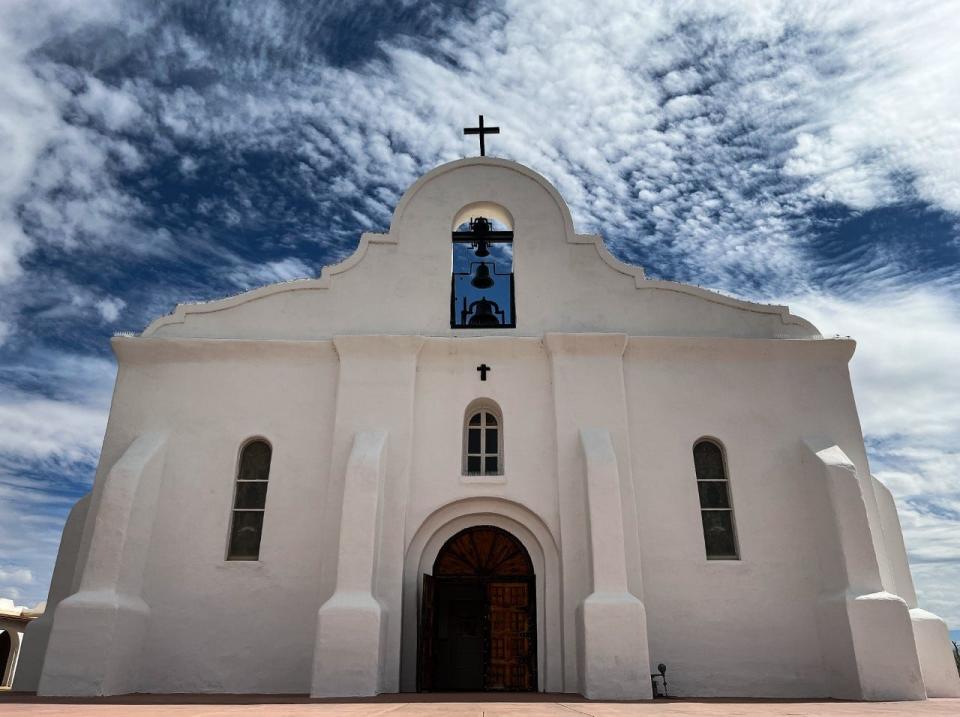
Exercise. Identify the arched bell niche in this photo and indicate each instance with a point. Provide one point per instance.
(499, 215)
(482, 281)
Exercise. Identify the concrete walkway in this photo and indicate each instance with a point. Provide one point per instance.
(466, 705)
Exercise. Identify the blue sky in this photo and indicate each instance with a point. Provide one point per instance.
(154, 152)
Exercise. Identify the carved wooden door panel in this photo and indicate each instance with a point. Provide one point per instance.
(510, 659)
(426, 634)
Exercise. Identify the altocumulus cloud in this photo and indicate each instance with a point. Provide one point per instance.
(158, 152)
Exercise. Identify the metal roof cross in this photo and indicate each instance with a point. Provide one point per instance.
(481, 130)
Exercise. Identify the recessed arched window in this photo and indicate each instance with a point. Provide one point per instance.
(249, 501)
(483, 439)
(716, 510)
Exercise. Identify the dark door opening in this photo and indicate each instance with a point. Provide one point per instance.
(478, 615)
(5, 649)
(460, 614)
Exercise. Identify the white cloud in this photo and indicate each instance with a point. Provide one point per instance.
(189, 165)
(896, 114)
(57, 176)
(28, 120)
(36, 428)
(49, 445)
(906, 387)
(21, 576)
(271, 272)
(110, 308)
(838, 173)
(29, 538)
(904, 368)
(65, 426)
(679, 82)
(709, 128)
(112, 107)
(934, 547)
(683, 106)
(64, 300)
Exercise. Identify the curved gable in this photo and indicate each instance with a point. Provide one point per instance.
(399, 282)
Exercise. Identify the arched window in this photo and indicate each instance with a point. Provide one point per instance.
(716, 510)
(483, 440)
(250, 498)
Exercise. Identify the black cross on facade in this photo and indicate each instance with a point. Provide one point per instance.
(483, 368)
(481, 130)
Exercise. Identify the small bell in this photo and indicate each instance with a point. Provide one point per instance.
(480, 228)
(483, 313)
(481, 248)
(481, 278)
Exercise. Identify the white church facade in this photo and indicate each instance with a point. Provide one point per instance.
(483, 454)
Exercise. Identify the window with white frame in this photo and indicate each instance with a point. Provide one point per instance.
(483, 440)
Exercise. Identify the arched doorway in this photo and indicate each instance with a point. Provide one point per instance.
(478, 615)
(5, 654)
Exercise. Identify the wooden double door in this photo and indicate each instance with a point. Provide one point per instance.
(478, 616)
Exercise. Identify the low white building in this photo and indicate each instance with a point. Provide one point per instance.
(13, 623)
(535, 470)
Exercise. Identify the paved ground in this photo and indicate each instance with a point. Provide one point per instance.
(459, 705)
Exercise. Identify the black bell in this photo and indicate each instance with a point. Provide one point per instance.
(483, 313)
(482, 279)
(480, 228)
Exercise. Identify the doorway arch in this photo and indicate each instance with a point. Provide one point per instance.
(9, 652)
(478, 627)
(438, 526)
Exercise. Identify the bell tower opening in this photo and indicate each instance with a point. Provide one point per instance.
(481, 293)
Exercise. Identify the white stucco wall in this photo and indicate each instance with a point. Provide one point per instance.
(245, 632)
(602, 360)
(761, 607)
(748, 626)
(63, 583)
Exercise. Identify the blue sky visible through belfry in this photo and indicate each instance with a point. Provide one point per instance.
(161, 152)
(498, 262)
